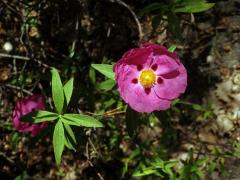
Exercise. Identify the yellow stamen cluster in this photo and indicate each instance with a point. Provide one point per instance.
(147, 78)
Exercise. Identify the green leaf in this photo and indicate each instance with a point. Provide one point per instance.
(172, 48)
(68, 89)
(39, 116)
(58, 141)
(197, 107)
(92, 75)
(69, 137)
(22, 176)
(105, 69)
(81, 120)
(144, 172)
(57, 91)
(70, 132)
(68, 143)
(106, 85)
(132, 121)
(189, 6)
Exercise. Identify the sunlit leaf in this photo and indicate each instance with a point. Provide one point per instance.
(70, 139)
(70, 132)
(39, 116)
(189, 6)
(106, 85)
(81, 120)
(92, 75)
(105, 69)
(68, 89)
(57, 91)
(144, 172)
(58, 141)
(172, 48)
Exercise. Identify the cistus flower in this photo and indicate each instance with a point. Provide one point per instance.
(24, 106)
(150, 77)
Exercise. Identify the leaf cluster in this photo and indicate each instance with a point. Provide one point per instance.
(63, 134)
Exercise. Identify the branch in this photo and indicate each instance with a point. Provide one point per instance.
(17, 88)
(134, 16)
(14, 56)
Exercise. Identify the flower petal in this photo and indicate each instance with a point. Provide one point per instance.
(171, 81)
(24, 106)
(143, 101)
(137, 56)
(172, 87)
(165, 64)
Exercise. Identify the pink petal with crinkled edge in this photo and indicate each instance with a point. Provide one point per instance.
(172, 85)
(160, 50)
(165, 64)
(141, 101)
(137, 56)
(125, 77)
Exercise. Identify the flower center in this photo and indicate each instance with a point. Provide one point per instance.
(147, 78)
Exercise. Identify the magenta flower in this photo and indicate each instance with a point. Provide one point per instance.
(24, 106)
(150, 77)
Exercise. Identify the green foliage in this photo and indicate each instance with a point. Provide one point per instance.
(57, 91)
(81, 120)
(105, 69)
(58, 141)
(39, 116)
(170, 9)
(172, 48)
(189, 6)
(68, 89)
(236, 151)
(63, 134)
(127, 160)
(204, 109)
(106, 85)
(192, 169)
(70, 140)
(22, 176)
(158, 167)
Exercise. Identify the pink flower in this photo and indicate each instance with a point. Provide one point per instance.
(24, 106)
(150, 77)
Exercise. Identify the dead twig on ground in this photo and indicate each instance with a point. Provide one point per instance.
(134, 16)
(17, 88)
(24, 58)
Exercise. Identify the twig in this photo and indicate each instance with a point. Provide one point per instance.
(134, 16)
(17, 88)
(11, 8)
(15, 56)
(89, 162)
(7, 158)
(75, 39)
(25, 59)
(99, 175)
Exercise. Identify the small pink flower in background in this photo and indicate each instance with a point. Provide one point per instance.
(24, 106)
(150, 77)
